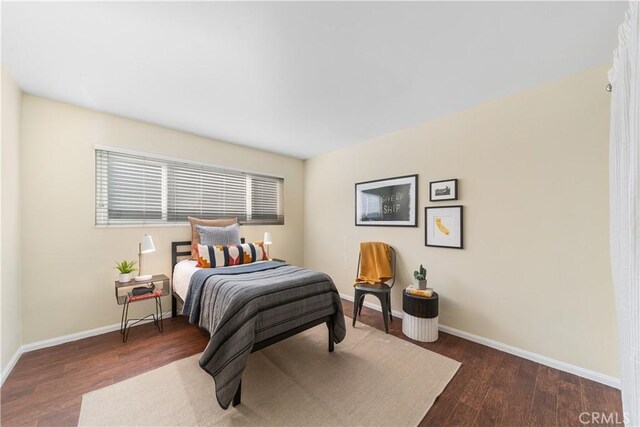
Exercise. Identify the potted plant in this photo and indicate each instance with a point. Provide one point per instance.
(125, 268)
(420, 277)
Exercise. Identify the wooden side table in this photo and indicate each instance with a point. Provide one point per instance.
(124, 298)
(420, 317)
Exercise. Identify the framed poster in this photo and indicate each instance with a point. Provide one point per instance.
(443, 227)
(388, 202)
(443, 190)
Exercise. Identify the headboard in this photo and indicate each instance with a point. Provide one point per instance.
(177, 253)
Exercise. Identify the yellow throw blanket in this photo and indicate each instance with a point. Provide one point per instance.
(375, 263)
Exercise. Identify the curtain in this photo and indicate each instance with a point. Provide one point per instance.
(624, 158)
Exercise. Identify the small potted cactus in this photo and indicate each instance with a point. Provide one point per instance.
(420, 277)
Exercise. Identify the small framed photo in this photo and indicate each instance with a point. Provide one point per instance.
(388, 202)
(443, 190)
(443, 227)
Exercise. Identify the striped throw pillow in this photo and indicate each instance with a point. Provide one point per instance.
(225, 256)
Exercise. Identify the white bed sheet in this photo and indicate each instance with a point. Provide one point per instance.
(182, 275)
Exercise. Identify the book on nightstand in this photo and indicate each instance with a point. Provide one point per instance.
(420, 292)
(147, 295)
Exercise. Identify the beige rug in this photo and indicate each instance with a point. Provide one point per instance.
(370, 379)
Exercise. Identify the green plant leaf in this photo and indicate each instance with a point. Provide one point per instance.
(125, 266)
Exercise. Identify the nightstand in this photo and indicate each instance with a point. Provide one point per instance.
(420, 317)
(124, 297)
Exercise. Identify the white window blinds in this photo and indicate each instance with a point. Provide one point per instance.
(139, 189)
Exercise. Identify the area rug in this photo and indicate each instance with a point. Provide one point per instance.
(370, 379)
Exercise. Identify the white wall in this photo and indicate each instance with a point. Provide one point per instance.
(533, 171)
(68, 271)
(10, 218)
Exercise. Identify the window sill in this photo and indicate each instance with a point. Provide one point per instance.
(176, 224)
(144, 225)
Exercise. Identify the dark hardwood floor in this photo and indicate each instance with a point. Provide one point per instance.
(491, 387)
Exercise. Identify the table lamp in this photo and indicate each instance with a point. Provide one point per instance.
(267, 241)
(144, 247)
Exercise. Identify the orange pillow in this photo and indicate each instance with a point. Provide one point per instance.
(195, 236)
(225, 256)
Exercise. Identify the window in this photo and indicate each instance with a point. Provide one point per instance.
(139, 189)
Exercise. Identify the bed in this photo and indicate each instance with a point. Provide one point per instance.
(248, 307)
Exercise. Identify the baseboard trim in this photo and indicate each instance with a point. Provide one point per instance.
(535, 357)
(62, 340)
(372, 306)
(525, 354)
(12, 363)
(79, 335)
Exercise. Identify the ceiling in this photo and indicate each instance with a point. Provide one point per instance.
(298, 78)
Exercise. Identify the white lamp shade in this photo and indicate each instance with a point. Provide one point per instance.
(147, 245)
(267, 238)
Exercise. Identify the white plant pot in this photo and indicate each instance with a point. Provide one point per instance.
(125, 277)
(420, 284)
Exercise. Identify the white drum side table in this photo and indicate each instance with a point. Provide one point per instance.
(420, 317)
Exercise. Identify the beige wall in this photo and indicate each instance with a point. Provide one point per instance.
(533, 174)
(68, 274)
(533, 171)
(10, 219)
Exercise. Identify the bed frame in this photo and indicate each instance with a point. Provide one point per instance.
(259, 345)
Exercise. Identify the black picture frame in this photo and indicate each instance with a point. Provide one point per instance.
(387, 202)
(431, 239)
(433, 188)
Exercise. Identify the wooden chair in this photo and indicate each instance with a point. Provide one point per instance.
(381, 290)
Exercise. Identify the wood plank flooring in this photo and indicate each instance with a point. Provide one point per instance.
(491, 387)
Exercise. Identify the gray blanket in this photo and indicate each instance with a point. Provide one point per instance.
(243, 305)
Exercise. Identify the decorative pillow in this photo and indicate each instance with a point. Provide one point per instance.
(224, 256)
(219, 236)
(195, 237)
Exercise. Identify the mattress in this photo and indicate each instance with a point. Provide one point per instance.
(182, 273)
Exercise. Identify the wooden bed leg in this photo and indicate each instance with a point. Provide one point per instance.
(238, 397)
(331, 338)
(174, 306)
